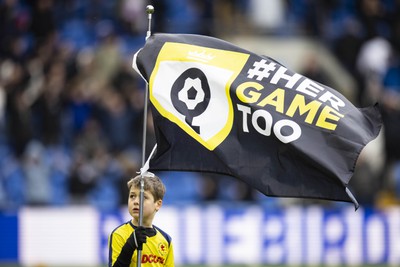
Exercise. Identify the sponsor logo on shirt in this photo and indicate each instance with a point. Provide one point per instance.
(146, 258)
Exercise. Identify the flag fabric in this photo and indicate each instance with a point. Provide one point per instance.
(222, 109)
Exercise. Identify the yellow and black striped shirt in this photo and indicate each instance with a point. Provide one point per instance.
(157, 251)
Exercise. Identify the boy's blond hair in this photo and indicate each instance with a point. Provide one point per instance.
(152, 183)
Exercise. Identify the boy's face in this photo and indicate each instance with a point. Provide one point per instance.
(150, 206)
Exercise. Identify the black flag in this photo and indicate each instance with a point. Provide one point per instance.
(219, 108)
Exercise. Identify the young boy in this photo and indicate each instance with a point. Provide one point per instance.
(124, 241)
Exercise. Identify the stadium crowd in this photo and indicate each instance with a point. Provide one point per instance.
(71, 107)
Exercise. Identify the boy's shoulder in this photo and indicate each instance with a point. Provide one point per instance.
(166, 236)
(124, 228)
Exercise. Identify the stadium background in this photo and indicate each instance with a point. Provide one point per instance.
(71, 124)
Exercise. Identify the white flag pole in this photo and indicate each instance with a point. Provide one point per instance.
(149, 11)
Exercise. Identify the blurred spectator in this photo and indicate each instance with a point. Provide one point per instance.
(80, 99)
(313, 70)
(243, 192)
(14, 22)
(18, 112)
(37, 173)
(209, 190)
(42, 20)
(275, 19)
(118, 120)
(229, 17)
(105, 194)
(132, 18)
(107, 56)
(84, 173)
(48, 107)
(373, 17)
(347, 47)
(372, 63)
(390, 100)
